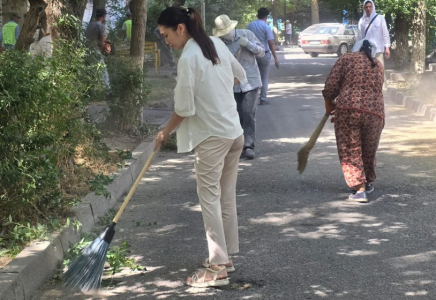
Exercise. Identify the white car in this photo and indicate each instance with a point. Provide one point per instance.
(333, 38)
(310, 30)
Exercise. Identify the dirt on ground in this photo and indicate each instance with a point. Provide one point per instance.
(423, 90)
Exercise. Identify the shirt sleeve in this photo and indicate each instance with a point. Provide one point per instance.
(333, 83)
(238, 70)
(269, 33)
(254, 45)
(386, 38)
(184, 104)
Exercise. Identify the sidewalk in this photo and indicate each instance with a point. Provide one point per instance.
(163, 72)
(421, 102)
(20, 279)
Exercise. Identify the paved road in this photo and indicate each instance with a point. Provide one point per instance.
(300, 239)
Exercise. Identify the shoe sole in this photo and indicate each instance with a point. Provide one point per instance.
(228, 269)
(366, 191)
(358, 200)
(212, 283)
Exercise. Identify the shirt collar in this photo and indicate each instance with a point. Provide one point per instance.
(188, 44)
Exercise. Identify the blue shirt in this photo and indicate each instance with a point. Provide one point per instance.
(262, 31)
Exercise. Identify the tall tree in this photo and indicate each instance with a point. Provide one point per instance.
(96, 4)
(401, 25)
(314, 11)
(418, 38)
(139, 19)
(46, 13)
(179, 3)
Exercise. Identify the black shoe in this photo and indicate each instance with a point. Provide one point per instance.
(249, 153)
(264, 102)
(242, 154)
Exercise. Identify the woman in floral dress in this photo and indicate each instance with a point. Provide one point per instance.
(353, 92)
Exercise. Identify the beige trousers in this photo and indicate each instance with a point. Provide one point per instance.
(216, 166)
(380, 57)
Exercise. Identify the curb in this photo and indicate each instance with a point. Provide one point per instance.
(410, 102)
(20, 279)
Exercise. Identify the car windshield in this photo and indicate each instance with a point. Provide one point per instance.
(327, 30)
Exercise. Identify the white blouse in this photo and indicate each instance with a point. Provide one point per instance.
(204, 95)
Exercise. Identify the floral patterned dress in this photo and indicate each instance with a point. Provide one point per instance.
(359, 115)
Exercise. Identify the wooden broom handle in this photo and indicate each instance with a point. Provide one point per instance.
(135, 185)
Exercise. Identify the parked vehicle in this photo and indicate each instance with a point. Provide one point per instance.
(308, 31)
(329, 39)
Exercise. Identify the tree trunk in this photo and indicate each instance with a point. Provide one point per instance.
(274, 12)
(139, 20)
(59, 9)
(418, 39)
(46, 13)
(96, 5)
(314, 11)
(31, 21)
(401, 50)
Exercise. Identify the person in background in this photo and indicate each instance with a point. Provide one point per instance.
(96, 40)
(245, 46)
(288, 32)
(372, 27)
(127, 27)
(265, 35)
(11, 32)
(356, 81)
(207, 122)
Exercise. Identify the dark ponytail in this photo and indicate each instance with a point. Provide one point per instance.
(173, 16)
(366, 48)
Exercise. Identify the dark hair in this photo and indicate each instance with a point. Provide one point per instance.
(173, 16)
(100, 12)
(262, 13)
(366, 48)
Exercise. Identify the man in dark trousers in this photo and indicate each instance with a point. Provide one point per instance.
(96, 39)
(245, 46)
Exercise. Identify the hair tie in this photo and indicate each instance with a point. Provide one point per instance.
(185, 8)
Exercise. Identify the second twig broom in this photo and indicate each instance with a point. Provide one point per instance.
(303, 154)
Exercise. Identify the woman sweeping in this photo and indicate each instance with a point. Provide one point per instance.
(208, 122)
(356, 82)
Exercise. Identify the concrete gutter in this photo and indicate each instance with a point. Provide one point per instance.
(414, 104)
(20, 279)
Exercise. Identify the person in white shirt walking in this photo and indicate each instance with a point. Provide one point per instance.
(288, 29)
(208, 123)
(372, 27)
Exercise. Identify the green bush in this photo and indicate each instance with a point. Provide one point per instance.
(129, 93)
(42, 104)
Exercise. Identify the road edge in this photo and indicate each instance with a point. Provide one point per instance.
(21, 278)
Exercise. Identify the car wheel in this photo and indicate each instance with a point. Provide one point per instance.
(343, 49)
(313, 54)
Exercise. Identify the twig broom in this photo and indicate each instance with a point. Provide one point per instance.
(303, 154)
(85, 272)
